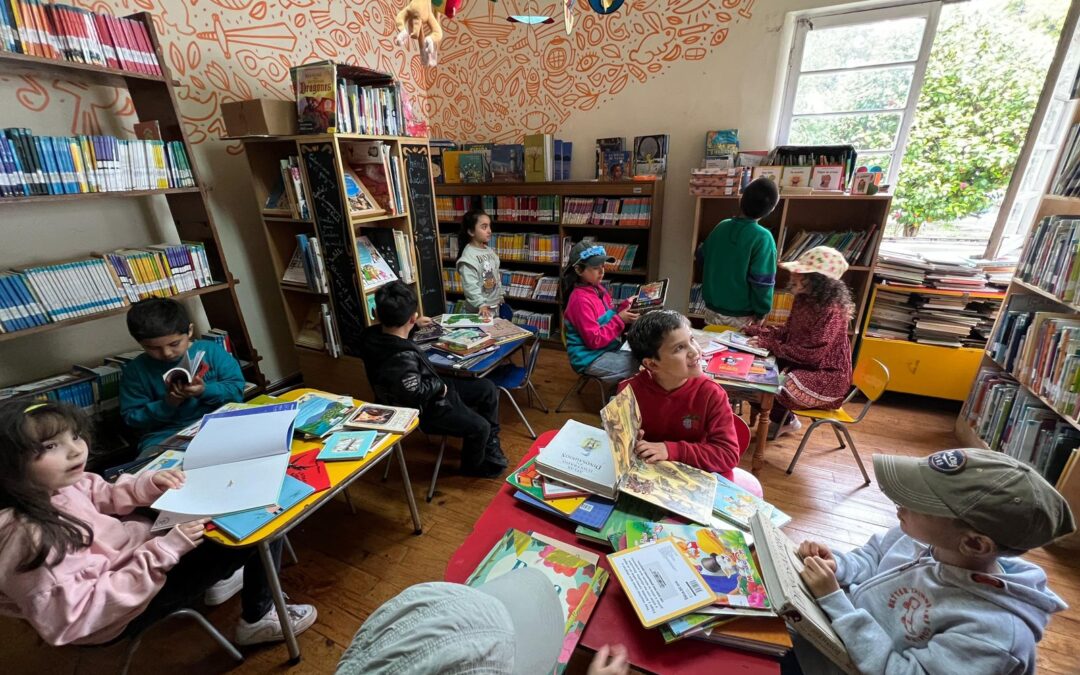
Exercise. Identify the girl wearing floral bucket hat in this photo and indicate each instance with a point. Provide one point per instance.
(812, 348)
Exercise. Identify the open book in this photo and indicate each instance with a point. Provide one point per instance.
(780, 567)
(236, 462)
(188, 370)
(603, 462)
(652, 295)
(740, 342)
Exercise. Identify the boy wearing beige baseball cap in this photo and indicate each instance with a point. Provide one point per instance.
(944, 592)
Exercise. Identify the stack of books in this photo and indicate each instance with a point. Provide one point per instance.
(951, 274)
(349, 99)
(998, 272)
(852, 244)
(288, 197)
(464, 341)
(697, 300)
(448, 247)
(719, 182)
(538, 320)
(307, 266)
(893, 317)
(901, 268)
(56, 165)
(67, 33)
(520, 284)
(932, 319)
(1050, 259)
(161, 270)
(605, 211)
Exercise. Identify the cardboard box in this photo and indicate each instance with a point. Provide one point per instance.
(259, 117)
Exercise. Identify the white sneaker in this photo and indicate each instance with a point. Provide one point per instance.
(790, 427)
(224, 589)
(268, 628)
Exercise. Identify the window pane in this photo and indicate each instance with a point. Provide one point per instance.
(884, 160)
(859, 90)
(867, 130)
(863, 44)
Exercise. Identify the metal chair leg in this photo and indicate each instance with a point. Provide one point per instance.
(858, 460)
(839, 437)
(289, 549)
(201, 620)
(578, 386)
(603, 393)
(802, 445)
(535, 394)
(518, 409)
(386, 471)
(438, 465)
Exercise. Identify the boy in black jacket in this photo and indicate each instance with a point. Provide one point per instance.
(401, 375)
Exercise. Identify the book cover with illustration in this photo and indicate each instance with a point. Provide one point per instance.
(508, 163)
(722, 557)
(736, 505)
(603, 146)
(539, 160)
(721, 143)
(650, 155)
(361, 202)
(369, 163)
(588, 511)
(473, 167)
(730, 364)
(374, 271)
(318, 415)
(316, 98)
(578, 582)
(244, 523)
(617, 165)
(348, 445)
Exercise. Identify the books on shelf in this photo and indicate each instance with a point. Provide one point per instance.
(526, 246)
(607, 211)
(926, 318)
(341, 98)
(395, 247)
(852, 244)
(1066, 180)
(319, 330)
(539, 158)
(508, 163)
(564, 151)
(1051, 257)
(650, 156)
(520, 284)
(67, 33)
(719, 182)
(161, 270)
(33, 165)
(547, 288)
(378, 170)
(539, 321)
(374, 270)
(517, 209)
(307, 266)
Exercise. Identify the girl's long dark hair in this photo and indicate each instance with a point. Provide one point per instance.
(468, 224)
(567, 281)
(823, 292)
(22, 433)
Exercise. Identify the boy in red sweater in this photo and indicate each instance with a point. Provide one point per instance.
(685, 416)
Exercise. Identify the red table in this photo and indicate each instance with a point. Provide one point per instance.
(613, 620)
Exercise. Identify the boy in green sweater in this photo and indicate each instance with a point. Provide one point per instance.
(739, 258)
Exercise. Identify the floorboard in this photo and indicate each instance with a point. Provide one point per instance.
(350, 564)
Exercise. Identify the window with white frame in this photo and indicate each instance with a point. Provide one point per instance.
(854, 78)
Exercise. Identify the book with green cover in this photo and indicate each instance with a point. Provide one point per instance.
(626, 509)
(578, 582)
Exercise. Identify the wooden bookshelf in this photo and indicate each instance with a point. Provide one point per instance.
(1025, 296)
(799, 213)
(647, 238)
(153, 98)
(322, 158)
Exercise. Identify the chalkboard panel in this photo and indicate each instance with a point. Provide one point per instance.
(425, 228)
(332, 226)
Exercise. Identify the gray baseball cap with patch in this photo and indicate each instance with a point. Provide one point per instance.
(993, 493)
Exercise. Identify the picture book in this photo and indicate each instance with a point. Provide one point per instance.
(773, 173)
(464, 341)
(503, 331)
(721, 143)
(735, 504)
(539, 159)
(463, 320)
(626, 509)
(730, 364)
(603, 462)
(650, 155)
(603, 146)
(361, 202)
(451, 166)
(374, 270)
(316, 94)
(577, 582)
(347, 445)
(429, 333)
(317, 415)
(368, 163)
(617, 166)
(170, 459)
(508, 163)
(827, 178)
(243, 524)
(235, 462)
(306, 467)
(780, 568)
(739, 341)
(383, 418)
(660, 582)
(795, 178)
(529, 481)
(188, 370)
(652, 295)
(722, 557)
(473, 167)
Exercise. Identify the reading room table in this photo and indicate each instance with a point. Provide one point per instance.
(480, 368)
(341, 474)
(613, 621)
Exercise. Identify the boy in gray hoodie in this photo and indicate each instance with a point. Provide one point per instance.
(944, 592)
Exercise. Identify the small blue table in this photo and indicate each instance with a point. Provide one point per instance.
(489, 361)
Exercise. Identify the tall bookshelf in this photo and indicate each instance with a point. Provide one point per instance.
(795, 214)
(1036, 368)
(153, 98)
(645, 234)
(322, 158)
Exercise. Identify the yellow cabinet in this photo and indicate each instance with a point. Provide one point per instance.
(942, 372)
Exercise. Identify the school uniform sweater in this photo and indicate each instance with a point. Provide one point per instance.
(142, 392)
(94, 592)
(739, 271)
(695, 422)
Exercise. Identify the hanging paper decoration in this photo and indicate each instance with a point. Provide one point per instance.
(568, 15)
(605, 6)
(447, 7)
(530, 19)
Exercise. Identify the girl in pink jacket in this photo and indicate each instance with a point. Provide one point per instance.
(78, 566)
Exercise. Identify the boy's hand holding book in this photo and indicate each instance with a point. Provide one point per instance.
(651, 452)
(629, 317)
(179, 391)
(820, 578)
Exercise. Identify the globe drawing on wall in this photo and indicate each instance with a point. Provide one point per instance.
(605, 6)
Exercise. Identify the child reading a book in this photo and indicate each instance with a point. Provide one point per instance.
(512, 624)
(478, 266)
(79, 566)
(812, 348)
(739, 261)
(401, 375)
(158, 408)
(685, 416)
(594, 327)
(945, 591)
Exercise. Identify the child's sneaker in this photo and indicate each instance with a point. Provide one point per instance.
(224, 589)
(791, 426)
(268, 628)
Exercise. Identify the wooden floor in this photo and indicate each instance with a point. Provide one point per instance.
(350, 564)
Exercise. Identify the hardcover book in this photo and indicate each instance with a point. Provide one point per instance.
(721, 143)
(650, 155)
(472, 167)
(508, 163)
(383, 418)
(578, 582)
(317, 415)
(616, 165)
(361, 202)
(539, 158)
(374, 271)
(730, 364)
(736, 505)
(652, 295)
(603, 146)
(244, 523)
(316, 94)
(660, 582)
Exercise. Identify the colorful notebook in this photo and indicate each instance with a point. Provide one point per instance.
(244, 523)
(578, 582)
(348, 445)
(735, 505)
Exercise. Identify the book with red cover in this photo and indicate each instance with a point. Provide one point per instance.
(730, 364)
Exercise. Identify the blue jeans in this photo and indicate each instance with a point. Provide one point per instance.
(613, 367)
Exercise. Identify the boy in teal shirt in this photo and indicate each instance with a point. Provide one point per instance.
(162, 327)
(739, 258)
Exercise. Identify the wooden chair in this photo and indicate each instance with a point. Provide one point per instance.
(870, 379)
